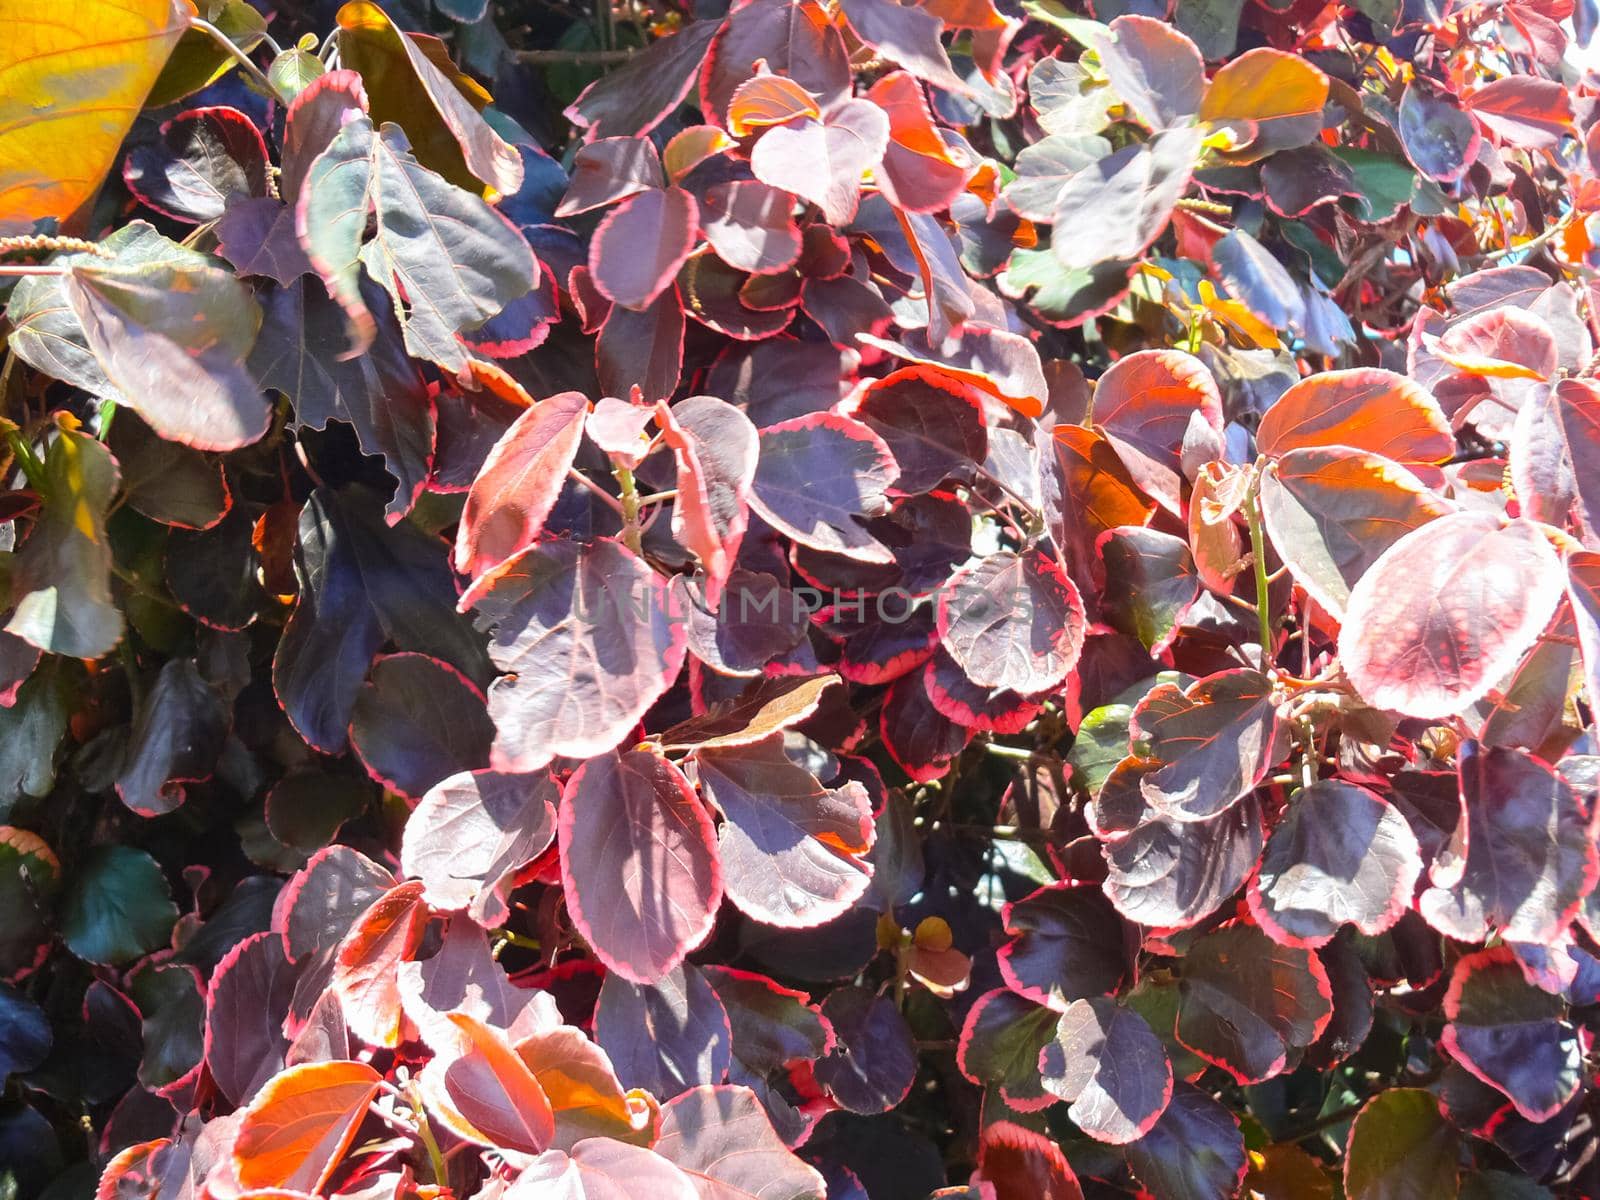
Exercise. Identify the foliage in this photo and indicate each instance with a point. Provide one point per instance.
(944, 597)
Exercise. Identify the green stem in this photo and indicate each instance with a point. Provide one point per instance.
(632, 535)
(1258, 551)
(436, 1163)
(225, 43)
(26, 458)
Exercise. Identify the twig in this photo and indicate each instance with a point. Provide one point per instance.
(598, 58)
(1258, 551)
(225, 43)
(578, 476)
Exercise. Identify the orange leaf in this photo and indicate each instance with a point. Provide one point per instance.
(364, 973)
(300, 1124)
(768, 100)
(1281, 93)
(495, 1092)
(75, 80)
(1365, 408)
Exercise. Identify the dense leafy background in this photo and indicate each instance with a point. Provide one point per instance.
(799, 600)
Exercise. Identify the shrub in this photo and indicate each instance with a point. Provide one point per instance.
(908, 597)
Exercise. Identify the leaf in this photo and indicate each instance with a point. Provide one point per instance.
(246, 1003)
(319, 904)
(1012, 621)
(1500, 343)
(1066, 944)
(176, 737)
(716, 449)
(1105, 1061)
(167, 481)
(665, 1037)
(823, 160)
(720, 1138)
(447, 130)
(471, 833)
(1528, 849)
(1255, 277)
(638, 248)
(932, 424)
(1286, 1172)
(1169, 873)
(60, 579)
(601, 1169)
(1195, 1151)
(1523, 110)
(385, 935)
(30, 878)
(762, 709)
(609, 170)
(1044, 167)
(519, 483)
(205, 159)
(1339, 855)
(117, 908)
(1151, 582)
(172, 339)
(1440, 138)
(795, 38)
(1511, 1035)
(361, 584)
(1446, 612)
(73, 91)
(1125, 199)
(1577, 404)
(817, 475)
(921, 172)
(381, 394)
(1019, 1164)
(417, 721)
(922, 741)
(1153, 69)
(639, 863)
(642, 349)
(633, 99)
(1217, 739)
(1365, 409)
(1000, 1045)
(1096, 493)
(1143, 404)
(297, 1129)
(791, 850)
(1280, 93)
(874, 1062)
(750, 225)
(26, 1031)
(1331, 512)
(495, 1091)
(587, 638)
(171, 1000)
(448, 260)
(1401, 1148)
(906, 35)
(586, 1098)
(464, 978)
(772, 1026)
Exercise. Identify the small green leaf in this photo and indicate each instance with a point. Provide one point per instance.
(1401, 1148)
(293, 71)
(118, 907)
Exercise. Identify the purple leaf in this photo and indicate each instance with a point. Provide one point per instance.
(201, 160)
(1067, 943)
(1216, 742)
(665, 1037)
(1195, 1151)
(1112, 1069)
(638, 248)
(874, 1063)
(817, 475)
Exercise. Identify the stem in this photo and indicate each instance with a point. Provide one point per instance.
(599, 58)
(436, 1163)
(1532, 243)
(631, 533)
(32, 468)
(579, 477)
(225, 43)
(658, 497)
(1258, 551)
(11, 270)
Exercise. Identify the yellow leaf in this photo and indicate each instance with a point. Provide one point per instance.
(72, 80)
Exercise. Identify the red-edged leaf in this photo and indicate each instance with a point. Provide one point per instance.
(716, 449)
(1216, 740)
(519, 483)
(1332, 511)
(667, 1036)
(1339, 855)
(642, 349)
(721, 1139)
(1583, 587)
(296, 1130)
(920, 739)
(1013, 621)
(1500, 343)
(985, 710)
(907, 35)
(932, 424)
(1111, 1068)
(793, 37)
(1169, 873)
(817, 475)
(640, 245)
(383, 937)
(638, 863)
(823, 160)
(1066, 944)
(1151, 582)
(1096, 492)
(1440, 138)
(792, 850)
(765, 100)
(609, 170)
(1195, 1151)
(1246, 1001)
(1365, 409)
(588, 636)
(1273, 94)
(921, 172)
(1578, 405)
(462, 977)
(602, 1169)
(1446, 612)
(249, 997)
(751, 226)
(176, 737)
(1114, 208)
(1524, 858)
(1000, 1046)
(1016, 1163)
(416, 721)
(1524, 110)
(873, 1065)
(762, 709)
(1143, 403)
(1154, 69)
(585, 1094)
(637, 96)
(1511, 1034)
(494, 1090)
(201, 160)
(472, 832)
